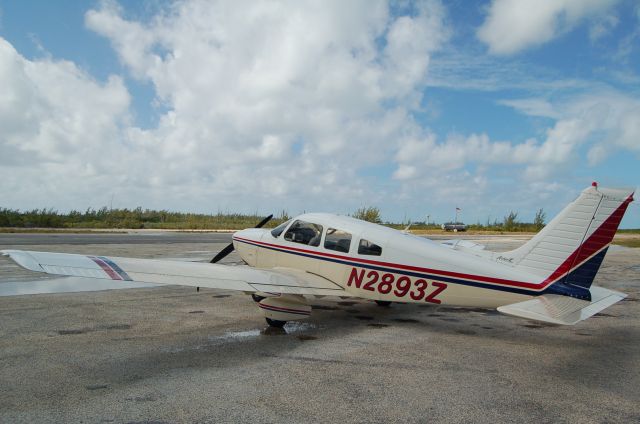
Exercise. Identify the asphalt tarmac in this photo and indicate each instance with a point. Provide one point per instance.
(170, 354)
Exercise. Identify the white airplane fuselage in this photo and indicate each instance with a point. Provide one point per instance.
(409, 268)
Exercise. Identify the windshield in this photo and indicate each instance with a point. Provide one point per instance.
(304, 233)
(279, 229)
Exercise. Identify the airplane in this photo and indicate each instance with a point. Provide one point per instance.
(315, 255)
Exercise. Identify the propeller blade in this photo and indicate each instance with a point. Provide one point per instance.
(224, 252)
(264, 221)
(221, 254)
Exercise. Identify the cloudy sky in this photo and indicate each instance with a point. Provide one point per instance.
(414, 107)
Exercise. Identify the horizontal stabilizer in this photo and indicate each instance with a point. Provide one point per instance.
(563, 310)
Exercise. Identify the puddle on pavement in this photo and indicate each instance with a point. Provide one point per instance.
(305, 337)
(73, 331)
(364, 317)
(291, 328)
(538, 325)
(324, 307)
(377, 325)
(114, 327)
(96, 387)
(462, 309)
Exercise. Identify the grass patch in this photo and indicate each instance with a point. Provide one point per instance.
(627, 242)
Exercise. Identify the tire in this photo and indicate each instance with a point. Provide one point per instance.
(257, 298)
(275, 323)
(384, 303)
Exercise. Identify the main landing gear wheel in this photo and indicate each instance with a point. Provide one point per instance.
(383, 303)
(275, 323)
(256, 298)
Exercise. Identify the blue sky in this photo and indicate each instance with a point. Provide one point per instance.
(414, 107)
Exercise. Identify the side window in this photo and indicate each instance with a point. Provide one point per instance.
(279, 229)
(367, 248)
(337, 240)
(304, 233)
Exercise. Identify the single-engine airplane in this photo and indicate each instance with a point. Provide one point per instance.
(548, 279)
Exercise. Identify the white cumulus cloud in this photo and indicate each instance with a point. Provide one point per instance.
(259, 101)
(59, 126)
(284, 92)
(515, 25)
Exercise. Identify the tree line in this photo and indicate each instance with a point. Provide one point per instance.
(509, 223)
(139, 218)
(130, 218)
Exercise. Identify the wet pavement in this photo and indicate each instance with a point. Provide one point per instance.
(170, 354)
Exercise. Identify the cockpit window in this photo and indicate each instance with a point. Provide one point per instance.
(279, 229)
(367, 248)
(337, 240)
(304, 233)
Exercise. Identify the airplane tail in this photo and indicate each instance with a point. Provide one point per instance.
(568, 251)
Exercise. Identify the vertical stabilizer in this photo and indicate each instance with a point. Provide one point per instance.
(570, 249)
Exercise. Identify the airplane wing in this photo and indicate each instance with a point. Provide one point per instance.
(563, 310)
(196, 274)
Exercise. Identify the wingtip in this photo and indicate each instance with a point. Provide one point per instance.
(24, 259)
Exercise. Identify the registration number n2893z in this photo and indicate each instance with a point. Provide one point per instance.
(402, 286)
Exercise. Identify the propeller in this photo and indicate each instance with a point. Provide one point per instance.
(224, 252)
